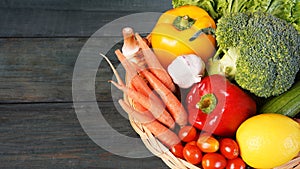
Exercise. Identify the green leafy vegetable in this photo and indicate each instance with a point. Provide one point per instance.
(288, 10)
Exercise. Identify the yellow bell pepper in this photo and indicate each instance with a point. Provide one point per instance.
(183, 30)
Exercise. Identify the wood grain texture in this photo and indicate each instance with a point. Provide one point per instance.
(37, 69)
(65, 18)
(39, 136)
(88, 5)
(40, 41)
(41, 70)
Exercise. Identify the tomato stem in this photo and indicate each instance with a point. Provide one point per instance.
(207, 103)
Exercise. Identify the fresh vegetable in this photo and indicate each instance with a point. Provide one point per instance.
(184, 30)
(268, 140)
(131, 49)
(130, 45)
(217, 106)
(167, 97)
(165, 135)
(177, 150)
(284, 9)
(186, 70)
(208, 143)
(154, 65)
(213, 161)
(187, 134)
(287, 103)
(229, 148)
(192, 153)
(158, 110)
(172, 103)
(132, 77)
(261, 52)
(236, 163)
(134, 81)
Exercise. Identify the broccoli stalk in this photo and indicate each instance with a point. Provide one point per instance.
(259, 51)
(226, 65)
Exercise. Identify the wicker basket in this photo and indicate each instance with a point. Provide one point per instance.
(161, 151)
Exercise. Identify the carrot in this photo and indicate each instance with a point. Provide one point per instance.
(165, 135)
(156, 108)
(132, 74)
(153, 105)
(140, 85)
(137, 106)
(154, 64)
(171, 101)
(141, 118)
(136, 81)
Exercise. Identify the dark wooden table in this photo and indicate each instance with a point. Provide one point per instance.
(40, 42)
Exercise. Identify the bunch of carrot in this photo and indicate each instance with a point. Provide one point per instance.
(151, 90)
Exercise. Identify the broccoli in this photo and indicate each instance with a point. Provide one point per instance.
(259, 51)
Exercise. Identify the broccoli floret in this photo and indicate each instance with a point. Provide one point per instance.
(259, 51)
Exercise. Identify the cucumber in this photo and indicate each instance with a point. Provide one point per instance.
(287, 103)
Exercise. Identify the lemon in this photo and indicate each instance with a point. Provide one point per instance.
(268, 140)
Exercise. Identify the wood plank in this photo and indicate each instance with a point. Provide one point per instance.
(50, 136)
(36, 20)
(44, 23)
(41, 69)
(37, 69)
(95, 5)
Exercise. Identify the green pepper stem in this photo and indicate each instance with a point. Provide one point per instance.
(183, 22)
(207, 103)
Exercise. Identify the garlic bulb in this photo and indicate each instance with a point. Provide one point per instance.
(186, 70)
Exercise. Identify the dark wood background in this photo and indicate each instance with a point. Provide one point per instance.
(39, 43)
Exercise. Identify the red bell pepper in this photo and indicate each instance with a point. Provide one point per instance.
(217, 106)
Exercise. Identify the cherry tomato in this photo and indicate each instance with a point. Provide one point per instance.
(229, 148)
(208, 143)
(236, 163)
(192, 153)
(177, 150)
(187, 133)
(194, 143)
(213, 161)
